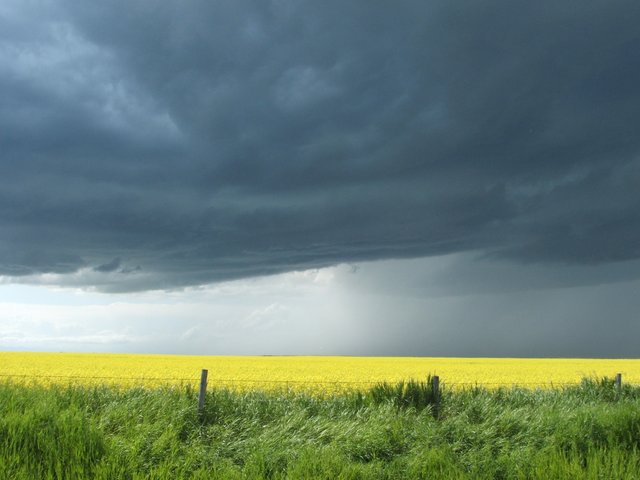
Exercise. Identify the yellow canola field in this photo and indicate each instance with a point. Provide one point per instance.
(318, 374)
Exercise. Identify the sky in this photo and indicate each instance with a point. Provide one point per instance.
(428, 178)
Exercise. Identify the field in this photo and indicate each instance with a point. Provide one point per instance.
(136, 417)
(311, 374)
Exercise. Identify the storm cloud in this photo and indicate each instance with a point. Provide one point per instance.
(149, 145)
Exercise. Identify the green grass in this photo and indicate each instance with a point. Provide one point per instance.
(589, 431)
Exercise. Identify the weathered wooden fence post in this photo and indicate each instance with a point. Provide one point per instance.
(435, 386)
(203, 390)
(618, 382)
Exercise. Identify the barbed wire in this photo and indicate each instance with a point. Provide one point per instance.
(513, 383)
(235, 381)
(93, 377)
(192, 379)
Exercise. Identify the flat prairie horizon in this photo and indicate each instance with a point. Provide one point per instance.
(317, 373)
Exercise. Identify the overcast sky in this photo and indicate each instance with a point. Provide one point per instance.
(360, 177)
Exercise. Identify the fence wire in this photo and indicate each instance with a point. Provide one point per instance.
(299, 384)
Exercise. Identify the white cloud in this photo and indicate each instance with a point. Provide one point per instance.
(267, 318)
(288, 313)
(451, 305)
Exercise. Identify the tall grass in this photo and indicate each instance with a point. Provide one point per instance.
(388, 432)
(410, 394)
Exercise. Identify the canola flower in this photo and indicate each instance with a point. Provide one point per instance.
(311, 373)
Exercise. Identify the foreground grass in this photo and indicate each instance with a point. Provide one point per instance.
(392, 431)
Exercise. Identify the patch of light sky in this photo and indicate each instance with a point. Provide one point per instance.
(280, 314)
(453, 305)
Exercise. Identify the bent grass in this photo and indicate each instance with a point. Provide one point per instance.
(388, 431)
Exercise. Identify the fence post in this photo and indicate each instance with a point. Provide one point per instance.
(203, 390)
(435, 385)
(618, 382)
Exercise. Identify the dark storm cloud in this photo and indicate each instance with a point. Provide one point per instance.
(112, 266)
(202, 141)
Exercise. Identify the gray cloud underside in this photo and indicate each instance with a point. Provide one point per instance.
(191, 142)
